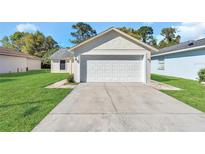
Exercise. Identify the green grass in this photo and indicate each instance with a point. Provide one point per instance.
(193, 92)
(24, 101)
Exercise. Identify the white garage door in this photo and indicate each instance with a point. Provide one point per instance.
(115, 71)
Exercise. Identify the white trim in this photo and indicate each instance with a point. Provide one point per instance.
(177, 51)
(114, 53)
(150, 48)
(145, 68)
(78, 64)
(137, 41)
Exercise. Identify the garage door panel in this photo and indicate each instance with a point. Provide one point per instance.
(115, 70)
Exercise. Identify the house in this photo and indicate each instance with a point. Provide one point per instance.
(14, 61)
(62, 61)
(111, 56)
(182, 60)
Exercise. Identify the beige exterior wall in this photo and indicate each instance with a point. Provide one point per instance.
(112, 43)
(34, 64)
(148, 66)
(55, 66)
(9, 64)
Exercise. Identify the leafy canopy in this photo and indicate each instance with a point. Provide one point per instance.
(6, 42)
(83, 31)
(130, 31)
(170, 37)
(146, 35)
(32, 43)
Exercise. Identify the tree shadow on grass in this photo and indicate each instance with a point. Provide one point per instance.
(24, 103)
(6, 80)
(165, 79)
(21, 74)
(30, 111)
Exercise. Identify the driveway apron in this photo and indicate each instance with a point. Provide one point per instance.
(121, 107)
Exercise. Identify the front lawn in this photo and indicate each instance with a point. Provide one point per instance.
(193, 92)
(24, 101)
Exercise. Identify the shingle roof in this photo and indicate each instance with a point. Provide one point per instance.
(62, 54)
(12, 52)
(181, 46)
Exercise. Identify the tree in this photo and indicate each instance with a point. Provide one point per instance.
(170, 37)
(35, 43)
(6, 43)
(50, 43)
(32, 43)
(146, 34)
(130, 31)
(46, 62)
(83, 32)
(16, 39)
(153, 42)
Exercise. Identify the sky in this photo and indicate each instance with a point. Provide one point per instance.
(60, 31)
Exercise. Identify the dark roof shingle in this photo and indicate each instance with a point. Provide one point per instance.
(12, 52)
(183, 45)
(61, 54)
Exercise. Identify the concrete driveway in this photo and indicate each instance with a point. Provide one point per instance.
(121, 107)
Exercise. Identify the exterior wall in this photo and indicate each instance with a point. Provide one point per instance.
(55, 66)
(183, 64)
(77, 69)
(116, 41)
(112, 43)
(10, 64)
(34, 64)
(148, 66)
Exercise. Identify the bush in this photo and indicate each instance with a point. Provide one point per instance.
(71, 78)
(201, 75)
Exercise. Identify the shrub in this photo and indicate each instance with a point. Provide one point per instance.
(71, 78)
(201, 75)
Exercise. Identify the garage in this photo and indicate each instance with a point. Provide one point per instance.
(112, 56)
(111, 68)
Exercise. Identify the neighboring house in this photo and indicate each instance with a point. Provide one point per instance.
(14, 61)
(62, 61)
(182, 60)
(111, 56)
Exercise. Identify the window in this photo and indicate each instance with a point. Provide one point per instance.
(62, 64)
(161, 64)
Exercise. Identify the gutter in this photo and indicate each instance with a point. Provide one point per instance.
(177, 51)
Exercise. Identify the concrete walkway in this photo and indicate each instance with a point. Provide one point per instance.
(62, 84)
(162, 86)
(121, 107)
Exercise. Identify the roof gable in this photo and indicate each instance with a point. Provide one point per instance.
(117, 41)
(103, 34)
(61, 54)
